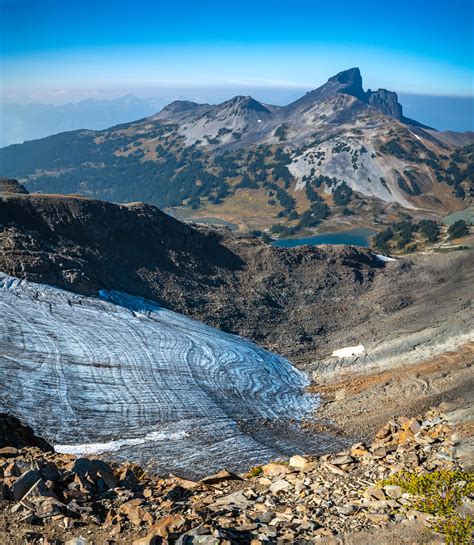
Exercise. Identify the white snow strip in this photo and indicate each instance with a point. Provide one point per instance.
(111, 446)
(416, 136)
(349, 351)
(384, 258)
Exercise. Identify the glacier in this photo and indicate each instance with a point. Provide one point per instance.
(123, 377)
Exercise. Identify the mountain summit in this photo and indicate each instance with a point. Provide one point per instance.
(243, 120)
(351, 81)
(339, 150)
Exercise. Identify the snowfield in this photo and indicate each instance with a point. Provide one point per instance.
(349, 351)
(120, 374)
(384, 258)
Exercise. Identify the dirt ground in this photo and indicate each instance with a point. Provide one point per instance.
(408, 533)
(357, 403)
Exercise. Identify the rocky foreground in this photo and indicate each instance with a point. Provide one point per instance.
(50, 498)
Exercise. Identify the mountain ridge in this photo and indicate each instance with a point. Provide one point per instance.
(337, 153)
(348, 82)
(288, 300)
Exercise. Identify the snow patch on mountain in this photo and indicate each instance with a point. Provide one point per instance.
(349, 351)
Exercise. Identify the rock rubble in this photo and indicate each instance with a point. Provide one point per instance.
(52, 498)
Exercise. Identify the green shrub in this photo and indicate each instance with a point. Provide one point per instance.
(342, 194)
(429, 229)
(255, 472)
(440, 494)
(458, 229)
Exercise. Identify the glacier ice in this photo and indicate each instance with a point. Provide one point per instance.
(120, 374)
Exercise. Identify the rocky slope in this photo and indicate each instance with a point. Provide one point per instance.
(286, 160)
(377, 338)
(11, 186)
(299, 302)
(51, 498)
(238, 284)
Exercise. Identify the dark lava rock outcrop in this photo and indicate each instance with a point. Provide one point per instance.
(386, 102)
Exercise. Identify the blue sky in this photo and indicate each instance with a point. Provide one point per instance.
(51, 48)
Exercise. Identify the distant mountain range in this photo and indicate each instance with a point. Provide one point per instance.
(22, 122)
(338, 152)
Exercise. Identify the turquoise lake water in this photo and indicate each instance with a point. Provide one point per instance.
(467, 215)
(356, 237)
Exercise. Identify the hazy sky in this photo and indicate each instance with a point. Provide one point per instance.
(55, 49)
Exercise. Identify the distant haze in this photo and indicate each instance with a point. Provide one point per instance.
(440, 112)
(20, 122)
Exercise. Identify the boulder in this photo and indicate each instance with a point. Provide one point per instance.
(169, 525)
(135, 513)
(49, 507)
(342, 460)
(379, 452)
(235, 498)
(378, 518)
(405, 435)
(393, 491)
(78, 541)
(273, 469)
(374, 492)
(301, 463)
(26, 482)
(334, 469)
(221, 476)
(12, 470)
(8, 452)
(127, 478)
(150, 539)
(49, 471)
(279, 486)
